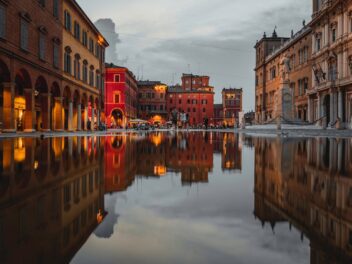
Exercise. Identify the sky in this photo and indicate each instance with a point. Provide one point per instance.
(161, 39)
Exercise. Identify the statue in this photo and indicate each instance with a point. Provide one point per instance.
(285, 67)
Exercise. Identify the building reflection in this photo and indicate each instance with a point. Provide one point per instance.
(154, 155)
(308, 183)
(51, 197)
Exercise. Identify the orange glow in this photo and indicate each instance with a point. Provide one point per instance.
(100, 217)
(160, 88)
(159, 170)
(20, 150)
(156, 139)
(36, 165)
(100, 40)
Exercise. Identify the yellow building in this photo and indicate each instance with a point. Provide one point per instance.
(83, 66)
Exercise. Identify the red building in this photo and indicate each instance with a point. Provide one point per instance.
(195, 97)
(120, 96)
(152, 102)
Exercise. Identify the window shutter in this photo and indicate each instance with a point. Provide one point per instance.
(2, 22)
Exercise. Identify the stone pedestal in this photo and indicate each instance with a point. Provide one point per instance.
(284, 104)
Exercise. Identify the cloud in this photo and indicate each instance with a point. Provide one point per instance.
(214, 37)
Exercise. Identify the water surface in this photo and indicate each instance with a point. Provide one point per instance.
(176, 198)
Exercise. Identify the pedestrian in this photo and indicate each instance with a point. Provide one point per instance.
(174, 115)
(206, 122)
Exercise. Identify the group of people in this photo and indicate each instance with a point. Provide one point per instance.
(181, 120)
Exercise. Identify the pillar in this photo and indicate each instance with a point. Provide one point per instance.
(310, 114)
(319, 108)
(46, 110)
(332, 97)
(85, 117)
(93, 117)
(8, 108)
(79, 117)
(70, 116)
(30, 111)
(340, 105)
(57, 114)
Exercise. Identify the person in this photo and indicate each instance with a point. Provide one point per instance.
(174, 117)
(187, 121)
(206, 122)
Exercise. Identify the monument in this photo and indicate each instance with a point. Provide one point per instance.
(285, 95)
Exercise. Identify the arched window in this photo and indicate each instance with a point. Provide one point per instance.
(85, 71)
(91, 75)
(67, 60)
(77, 67)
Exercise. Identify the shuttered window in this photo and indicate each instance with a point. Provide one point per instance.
(56, 8)
(24, 35)
(56, 55)
(2, 22)
(42, 46)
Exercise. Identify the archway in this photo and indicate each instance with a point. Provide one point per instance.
(326, 105)
(117, 118)
(91, 113)
(23, 97)
(66, 101)
(41, 104)
(56, 107)
(4, 78)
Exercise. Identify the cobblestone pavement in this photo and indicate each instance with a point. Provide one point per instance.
(270, 130)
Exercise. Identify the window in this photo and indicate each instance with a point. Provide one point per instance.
(56, 55)
(318, 44)
(84, 38)
(194, 110)
(91, 76)
(24, 35)
(97, 81)
(97, 50)
(170, 101)
(77, 31)
(67, 62)
(204, 110)
(42, 46)
(68, 22)
(117, 98)
(273, 73)
(117, 78)
(77, 69)
(91, 45)
(333, 34)
(179, 101)
(42, 2)
(161, 108)
(56, 8)
(85, 71)
(2, 21)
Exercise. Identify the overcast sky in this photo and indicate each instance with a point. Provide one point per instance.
(161, 39)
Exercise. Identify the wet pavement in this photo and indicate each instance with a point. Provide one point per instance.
(174, 197)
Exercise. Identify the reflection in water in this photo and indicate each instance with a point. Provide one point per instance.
(55, 192)
(52, 190)
(308, 183)
(51, 197)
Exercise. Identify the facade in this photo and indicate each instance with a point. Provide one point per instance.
(42, 68)
(331, 95)
(152, 102)
(194, 97)
(30, 64)
(120, 96)
(218, 115)
(270, 54)
(83, 60)
(232, 105)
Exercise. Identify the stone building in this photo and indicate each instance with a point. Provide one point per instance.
(152, 102)
(120, 96)
(83, 63)
(331, 94)
(44, 82)
(272, 92)
(194, 97)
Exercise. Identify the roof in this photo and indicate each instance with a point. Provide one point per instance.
(80, 10)
(194, 76)
(232, 90)
(113, 66)
(179, 89)
(149, 83)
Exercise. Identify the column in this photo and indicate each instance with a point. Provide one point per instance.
(57, 114)
(340, 25)
(85, 118)
(46, 110)
(340, 65)
(344, 65)
(345, 23)
(309, 109)
(79, 117)
(332, 97)
(319, 108)
(8, 108)
(93, 117)
(340, 105)
(70, 116)
(326, 35)
(98, 118)
(30, 111)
